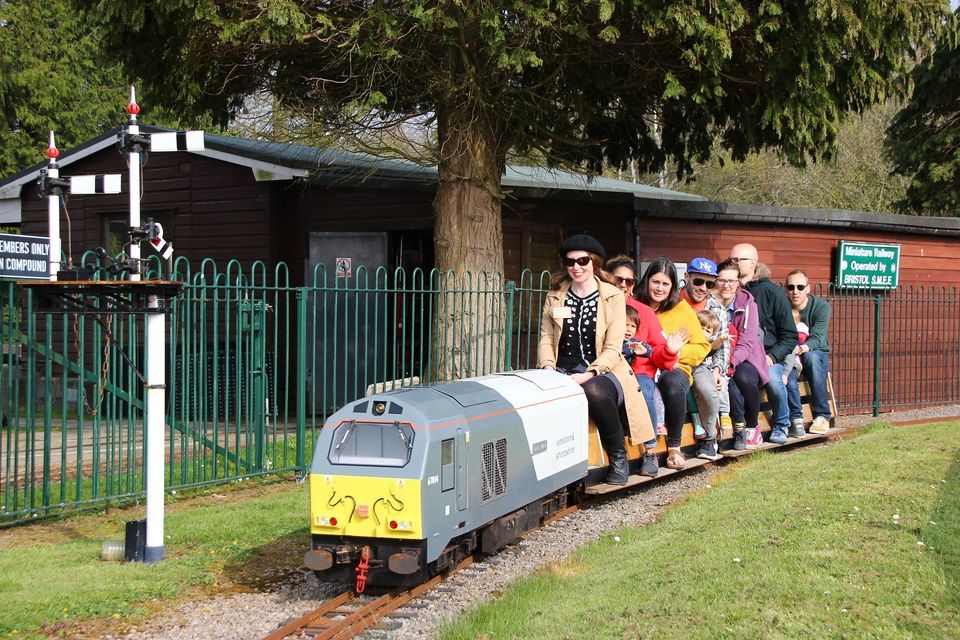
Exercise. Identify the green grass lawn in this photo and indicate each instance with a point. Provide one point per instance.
(856, 540)
(820, 555)
(57, 575)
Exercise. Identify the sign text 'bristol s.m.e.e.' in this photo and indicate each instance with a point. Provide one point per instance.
(24, 257)
(867, 265)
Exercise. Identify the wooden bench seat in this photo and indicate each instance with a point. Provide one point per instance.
(596, 457)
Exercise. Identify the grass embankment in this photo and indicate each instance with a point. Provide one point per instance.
(51, 575)
(860, 539)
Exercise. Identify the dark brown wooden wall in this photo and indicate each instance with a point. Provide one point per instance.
(221, 212)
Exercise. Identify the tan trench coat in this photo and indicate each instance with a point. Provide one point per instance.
(611, 325)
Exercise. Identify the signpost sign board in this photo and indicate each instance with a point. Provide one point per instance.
(24, 257)
(867, 265)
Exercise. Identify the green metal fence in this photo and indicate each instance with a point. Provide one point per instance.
(894, 349)
(255, 366)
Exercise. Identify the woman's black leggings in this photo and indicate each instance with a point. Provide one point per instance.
(745, 395)
(602, 406)
(673, 387)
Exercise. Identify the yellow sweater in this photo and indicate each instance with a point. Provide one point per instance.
(694, 352)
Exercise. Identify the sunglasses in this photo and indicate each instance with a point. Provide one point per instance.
(625, 281)
(738, 260)
(700, 282)
(798, 287)
(582, 261)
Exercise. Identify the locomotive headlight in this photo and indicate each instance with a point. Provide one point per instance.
(379, 408)
(324, 521)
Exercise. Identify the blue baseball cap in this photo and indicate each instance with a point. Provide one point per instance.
(702, 265)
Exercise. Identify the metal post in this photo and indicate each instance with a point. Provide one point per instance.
(302, 350)
(53, 209)
(133, 129)
(154, 418)
(876, 355)
(511, 290)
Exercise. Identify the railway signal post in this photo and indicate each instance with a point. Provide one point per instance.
(66, 293)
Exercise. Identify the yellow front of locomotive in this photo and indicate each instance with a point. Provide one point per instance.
(365, 495)
(365, 507)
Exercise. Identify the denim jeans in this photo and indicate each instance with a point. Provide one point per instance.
(816, 365)
(777, 397)
(648, 388)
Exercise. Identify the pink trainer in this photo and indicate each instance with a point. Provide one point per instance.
(755, 439)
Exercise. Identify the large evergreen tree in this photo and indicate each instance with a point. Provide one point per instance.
(576, 83)
(924, 139)
(52, 77)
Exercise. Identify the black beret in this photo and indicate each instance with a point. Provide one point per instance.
(582, 242)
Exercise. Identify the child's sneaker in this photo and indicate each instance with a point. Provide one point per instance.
(698, 431)
(739, 437)
(755, 439)
(796, 428)
(725, 427)
(661, 429)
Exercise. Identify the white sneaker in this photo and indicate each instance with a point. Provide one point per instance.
(820, 425)
(796, 428)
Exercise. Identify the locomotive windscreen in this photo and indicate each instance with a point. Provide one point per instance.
(379, 444)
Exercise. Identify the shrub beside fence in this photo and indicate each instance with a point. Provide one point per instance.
(255, 366)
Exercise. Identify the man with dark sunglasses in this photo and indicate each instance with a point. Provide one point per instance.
(708, 376)
(779, 333)
(814, 353)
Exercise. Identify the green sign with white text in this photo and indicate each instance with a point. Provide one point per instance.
(866, 265)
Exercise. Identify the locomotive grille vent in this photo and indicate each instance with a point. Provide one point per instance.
(494, 475)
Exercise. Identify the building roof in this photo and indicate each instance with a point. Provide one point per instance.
(335, 167)
(757, 214)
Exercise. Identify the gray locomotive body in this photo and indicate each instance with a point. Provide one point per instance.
(405, 483)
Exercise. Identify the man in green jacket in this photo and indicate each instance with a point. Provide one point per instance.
(814, 353)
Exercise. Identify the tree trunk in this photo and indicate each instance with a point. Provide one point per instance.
(468, 244)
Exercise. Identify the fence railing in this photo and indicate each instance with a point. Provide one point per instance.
(255, 366)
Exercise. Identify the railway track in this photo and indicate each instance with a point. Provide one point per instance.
(347, 615)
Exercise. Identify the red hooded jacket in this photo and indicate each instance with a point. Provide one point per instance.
(650, 332)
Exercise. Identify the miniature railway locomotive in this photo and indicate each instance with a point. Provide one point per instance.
(404, 484)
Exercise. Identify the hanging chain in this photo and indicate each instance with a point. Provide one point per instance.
(104, 369)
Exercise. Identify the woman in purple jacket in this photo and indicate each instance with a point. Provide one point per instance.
(748, 360)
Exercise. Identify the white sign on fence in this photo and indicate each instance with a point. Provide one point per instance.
(24, 257)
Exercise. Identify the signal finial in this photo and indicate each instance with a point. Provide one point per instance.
(132, 107)
(52, 152)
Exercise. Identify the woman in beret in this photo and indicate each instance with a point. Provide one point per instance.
(581, 333)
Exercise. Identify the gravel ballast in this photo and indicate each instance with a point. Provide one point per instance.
(254, 615)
